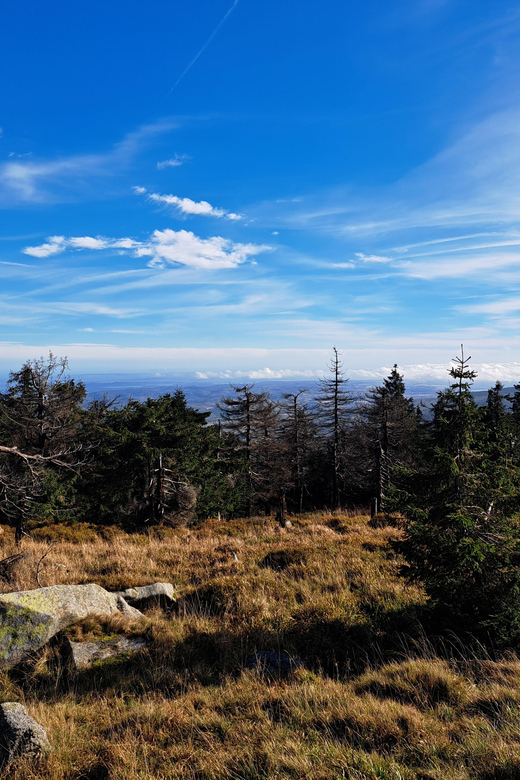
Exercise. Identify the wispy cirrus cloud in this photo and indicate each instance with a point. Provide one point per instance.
(39, 181)
(164, 248)
(173, 162)
(496, 308)
(470, 188)
(483, 265)
(92, 307)
(373, 258)
(186, 206)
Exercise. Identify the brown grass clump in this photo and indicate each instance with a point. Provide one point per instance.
(422, 682)
(326, 591)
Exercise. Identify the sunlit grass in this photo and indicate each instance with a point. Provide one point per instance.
(371, 701)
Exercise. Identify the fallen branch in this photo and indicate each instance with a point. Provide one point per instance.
(45, 554)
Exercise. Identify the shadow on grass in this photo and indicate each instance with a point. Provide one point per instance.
(328, 646)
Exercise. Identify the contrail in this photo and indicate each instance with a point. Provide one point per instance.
(201, 51)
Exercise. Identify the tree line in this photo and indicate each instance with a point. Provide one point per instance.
(454, 474)
(160, 461)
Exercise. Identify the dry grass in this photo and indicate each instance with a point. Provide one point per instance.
(325, 590)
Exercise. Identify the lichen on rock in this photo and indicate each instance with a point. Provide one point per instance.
(30, 618)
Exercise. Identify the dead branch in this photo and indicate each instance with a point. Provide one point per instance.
(33, 459)
(45, 554)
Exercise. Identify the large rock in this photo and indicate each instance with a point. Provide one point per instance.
(161, 594)
(29, 618)
(20, 735)
(83, 655)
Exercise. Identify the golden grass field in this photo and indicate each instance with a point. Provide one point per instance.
(373, 701)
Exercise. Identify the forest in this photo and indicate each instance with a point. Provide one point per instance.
(449, 475)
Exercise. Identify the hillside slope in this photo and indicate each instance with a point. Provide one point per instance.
(369, 700)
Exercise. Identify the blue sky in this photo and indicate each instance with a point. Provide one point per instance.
(228, 189)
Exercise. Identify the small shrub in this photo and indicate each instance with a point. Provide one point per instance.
(76, 533)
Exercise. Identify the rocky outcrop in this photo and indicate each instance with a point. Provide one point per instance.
(161, 594)
(30, 618)
(84, 655)
(20, 735)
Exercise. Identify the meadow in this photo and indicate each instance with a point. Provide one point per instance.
(377, 695)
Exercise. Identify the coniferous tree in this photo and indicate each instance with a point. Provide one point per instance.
(462, 542)
(299, 431)
(334, 414)
(498, 447)
(156, 463)
(390, 423)
(42, 409)
(41, 418)
(250, 421)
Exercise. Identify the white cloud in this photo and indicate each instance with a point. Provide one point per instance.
(373, 258)
(448, 239)
(493, 308)
(76, 307)
(188, 206)
(86, 242)
(164, 247)
(173, 162)
(182, 247)
(263, 373)
(507, 373)
(124, 243)
(55, 245)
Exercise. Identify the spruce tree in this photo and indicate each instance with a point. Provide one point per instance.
(298, 429)
(334, 414)
(41, 420)
(156, 462)
(390, 425)
(462, 540)
(250, 420)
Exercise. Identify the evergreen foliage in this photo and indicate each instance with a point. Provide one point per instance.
(250, 423)
(41, 416)
(391, 430)
(157, 462)
(463, 536)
